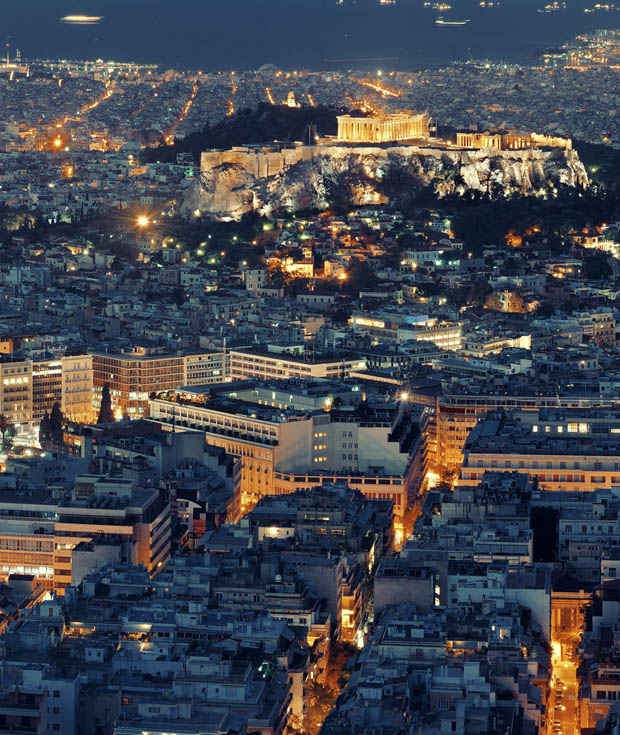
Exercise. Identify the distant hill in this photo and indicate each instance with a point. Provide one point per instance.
(265, 123)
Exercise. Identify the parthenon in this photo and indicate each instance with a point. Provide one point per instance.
(401, 125)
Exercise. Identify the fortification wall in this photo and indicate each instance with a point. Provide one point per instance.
(266, 179)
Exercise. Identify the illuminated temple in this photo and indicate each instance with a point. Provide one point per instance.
(383, 128)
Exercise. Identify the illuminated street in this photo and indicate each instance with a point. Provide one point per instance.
(564, 715)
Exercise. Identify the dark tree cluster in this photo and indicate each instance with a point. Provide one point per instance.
(52, 426)
(265, 123)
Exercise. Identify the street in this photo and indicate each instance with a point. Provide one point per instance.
(564, 714)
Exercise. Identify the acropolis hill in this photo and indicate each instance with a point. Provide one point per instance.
(377, 160)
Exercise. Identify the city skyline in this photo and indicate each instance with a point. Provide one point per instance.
(310, 369)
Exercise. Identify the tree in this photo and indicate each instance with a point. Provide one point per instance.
(277, 277)
(360, 276)
(479, 291)
(5, 430)
(106, 414)
(596, 266)
(178, 295)
(56, 422)
(45, 431)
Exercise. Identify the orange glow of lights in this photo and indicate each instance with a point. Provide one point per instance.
(513, 239)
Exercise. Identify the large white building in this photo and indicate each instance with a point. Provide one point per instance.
(295, 437)
(283, 363)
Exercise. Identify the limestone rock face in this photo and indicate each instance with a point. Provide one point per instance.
(321, 176)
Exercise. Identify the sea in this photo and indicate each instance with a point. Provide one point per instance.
(297, 34)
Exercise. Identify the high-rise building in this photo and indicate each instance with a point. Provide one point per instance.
(29, 389)
(133, 376)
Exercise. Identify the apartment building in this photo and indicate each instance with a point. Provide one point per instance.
(77, 388)
(394, 328)
(570, 449)
(41, 530)
(458, 403)
(588, 530)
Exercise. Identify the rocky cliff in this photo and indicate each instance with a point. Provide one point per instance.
(349, 176)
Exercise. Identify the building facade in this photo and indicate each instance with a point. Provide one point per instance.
(403, 125)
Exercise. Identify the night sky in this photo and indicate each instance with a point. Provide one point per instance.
(315, 34)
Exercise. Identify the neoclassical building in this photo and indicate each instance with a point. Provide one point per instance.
(394, 126)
